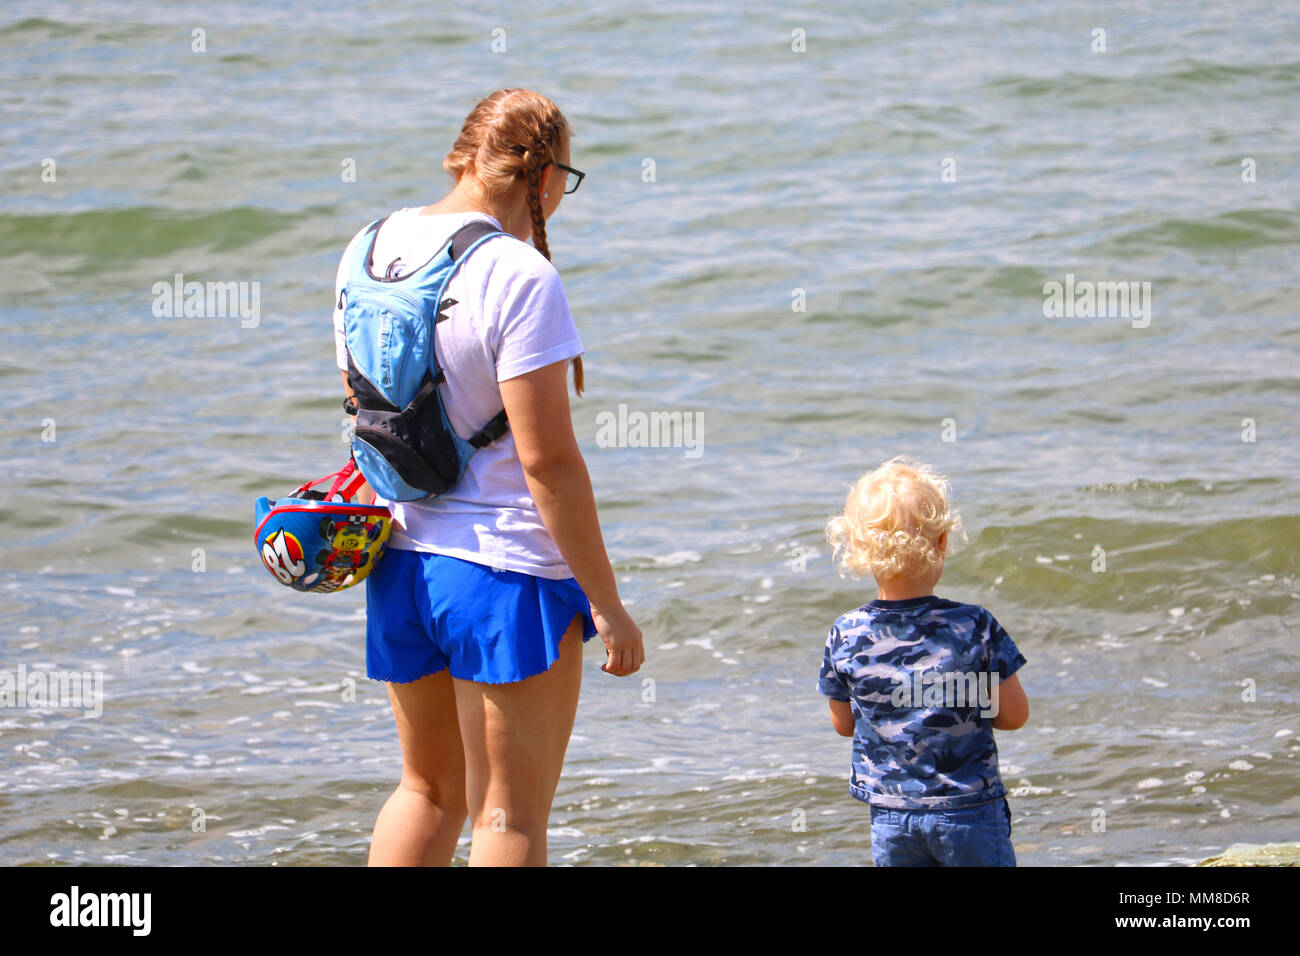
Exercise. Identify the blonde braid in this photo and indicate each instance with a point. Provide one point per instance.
(534, 175)
(535, 158)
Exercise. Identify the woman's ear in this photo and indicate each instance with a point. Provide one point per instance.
(942, 543)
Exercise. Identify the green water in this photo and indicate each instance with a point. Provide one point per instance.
(775, 171)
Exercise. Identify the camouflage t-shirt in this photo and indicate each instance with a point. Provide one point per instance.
(919, 675)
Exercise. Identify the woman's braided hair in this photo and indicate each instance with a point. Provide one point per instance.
(509, 134)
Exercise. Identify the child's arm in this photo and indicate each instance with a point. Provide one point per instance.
(842, 717)
(1013, 705)
(832, 683)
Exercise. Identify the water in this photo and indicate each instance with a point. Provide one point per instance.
(774, 171)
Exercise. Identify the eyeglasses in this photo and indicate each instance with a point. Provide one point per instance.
(568, 169)
(577, 182)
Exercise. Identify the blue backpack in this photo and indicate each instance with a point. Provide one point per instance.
(403, 444)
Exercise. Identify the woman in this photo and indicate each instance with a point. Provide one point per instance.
(478, 612)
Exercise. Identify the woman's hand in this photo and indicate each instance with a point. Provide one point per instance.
(623, 647)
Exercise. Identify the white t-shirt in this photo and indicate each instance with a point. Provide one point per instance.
(511, 317)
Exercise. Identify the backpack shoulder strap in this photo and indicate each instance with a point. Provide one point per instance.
(363, 254)
(373, 231)
(467, 235)
(464, 239)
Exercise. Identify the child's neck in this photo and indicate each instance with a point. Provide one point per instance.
(903, 589)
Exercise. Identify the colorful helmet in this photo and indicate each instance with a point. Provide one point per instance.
(321, 541)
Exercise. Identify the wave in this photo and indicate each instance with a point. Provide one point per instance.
(106, 236)
(1240, 229)
(1185, 77)
(42, 28)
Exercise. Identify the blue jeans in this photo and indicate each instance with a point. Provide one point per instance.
(972, 836)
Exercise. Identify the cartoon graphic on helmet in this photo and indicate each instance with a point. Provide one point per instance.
(282, 554)
(321, 541)
(349, 535)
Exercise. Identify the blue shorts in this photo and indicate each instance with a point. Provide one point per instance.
(429, 612)
(971, 836)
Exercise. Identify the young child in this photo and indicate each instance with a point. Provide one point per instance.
(919, 682)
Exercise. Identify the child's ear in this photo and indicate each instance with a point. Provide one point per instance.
(942, 543)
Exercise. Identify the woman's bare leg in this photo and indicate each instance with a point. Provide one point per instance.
(514, 738)
(422, 820)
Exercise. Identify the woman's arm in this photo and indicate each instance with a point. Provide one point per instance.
(365, 494)
(537, 405)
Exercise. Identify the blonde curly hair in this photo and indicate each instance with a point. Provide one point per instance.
(892, 522)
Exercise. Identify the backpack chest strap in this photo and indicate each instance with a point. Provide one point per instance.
(491, 431)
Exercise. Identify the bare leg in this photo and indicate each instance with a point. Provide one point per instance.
(422, 820)
(515, 736)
